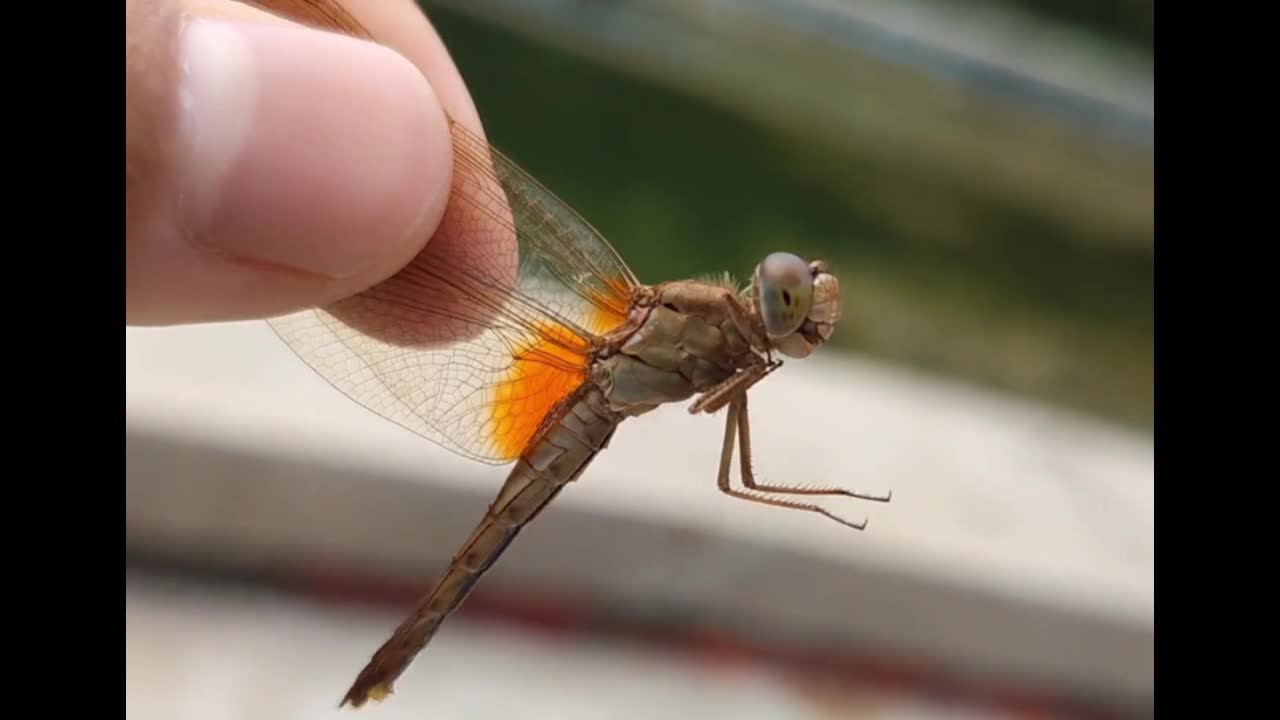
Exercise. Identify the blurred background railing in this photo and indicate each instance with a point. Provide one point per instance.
(980, 174)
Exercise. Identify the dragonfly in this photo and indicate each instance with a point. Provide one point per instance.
(520, 335)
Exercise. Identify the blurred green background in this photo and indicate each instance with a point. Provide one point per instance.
(980, 175)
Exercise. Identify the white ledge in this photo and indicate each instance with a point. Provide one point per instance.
(1019, 541)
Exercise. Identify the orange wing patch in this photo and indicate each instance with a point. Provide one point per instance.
(604, 319)
(546, 370)
(607, 307)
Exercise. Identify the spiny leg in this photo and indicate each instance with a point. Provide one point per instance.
(716, 398)
(726, 460)
(742, 319)
(749, 479)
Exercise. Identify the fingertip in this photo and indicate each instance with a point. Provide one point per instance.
(404, 25)
(309, 149)
(310, 165)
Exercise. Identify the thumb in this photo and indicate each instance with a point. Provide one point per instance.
(269, 166)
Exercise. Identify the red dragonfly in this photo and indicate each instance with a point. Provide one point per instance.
(520, 335)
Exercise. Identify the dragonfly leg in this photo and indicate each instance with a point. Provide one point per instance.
(736, 407)
(720, 395)
(749, 479)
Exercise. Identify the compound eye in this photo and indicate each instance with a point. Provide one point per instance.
(785, 285)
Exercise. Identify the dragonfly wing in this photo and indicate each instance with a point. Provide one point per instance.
(488, 328)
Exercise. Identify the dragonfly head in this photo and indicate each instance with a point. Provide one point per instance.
(798, 302)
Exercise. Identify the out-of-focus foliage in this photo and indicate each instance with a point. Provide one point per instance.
(1046, 291)
(1130, 21)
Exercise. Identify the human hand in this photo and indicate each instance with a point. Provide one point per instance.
(269, 166)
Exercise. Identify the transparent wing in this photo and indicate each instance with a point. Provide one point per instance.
(488, 329)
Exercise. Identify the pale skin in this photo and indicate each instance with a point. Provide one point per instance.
(270, 166)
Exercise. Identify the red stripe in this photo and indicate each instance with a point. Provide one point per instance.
(715, 647)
